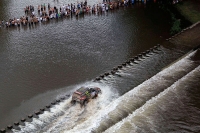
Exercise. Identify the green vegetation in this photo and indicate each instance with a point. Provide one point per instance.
(182, 14)
(190, 9)
(175, 21)
(176, 26)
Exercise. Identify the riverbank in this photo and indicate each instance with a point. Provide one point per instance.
(189, 37)
(181, 14)
(190, 9)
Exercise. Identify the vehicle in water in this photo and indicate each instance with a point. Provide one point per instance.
(83, 94)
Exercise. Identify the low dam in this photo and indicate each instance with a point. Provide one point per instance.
(149, 83)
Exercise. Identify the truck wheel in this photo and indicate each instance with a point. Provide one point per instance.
(83, 103)
(73, 102)
(95, 96)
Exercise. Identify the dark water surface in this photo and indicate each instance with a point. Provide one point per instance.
(42, 62)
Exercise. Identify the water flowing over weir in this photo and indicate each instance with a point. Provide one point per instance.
(171, 108)
(136, 98)
(64, 116)
(40, 70)
(141, 69)
(108, 109)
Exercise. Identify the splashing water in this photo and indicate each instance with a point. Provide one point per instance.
(64, 116)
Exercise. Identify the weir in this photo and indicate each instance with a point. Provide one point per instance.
(64, 116)
(157, 106)
(58, 109)
(119, 109)
(67, 118)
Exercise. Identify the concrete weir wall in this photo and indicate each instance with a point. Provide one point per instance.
(131, 61)
(30, 117)
(189, 37)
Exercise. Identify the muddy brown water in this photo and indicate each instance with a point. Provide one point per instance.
(43, 62)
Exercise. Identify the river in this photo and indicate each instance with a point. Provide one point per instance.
(44, 62)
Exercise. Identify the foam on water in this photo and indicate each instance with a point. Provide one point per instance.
(135, 98)
(108, 107)
(181, 65)
(65, 116)
(122, 125)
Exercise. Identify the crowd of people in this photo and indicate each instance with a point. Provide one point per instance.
(46, 13)
(176, 1)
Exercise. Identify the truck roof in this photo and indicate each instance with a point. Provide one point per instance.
(82, 89)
